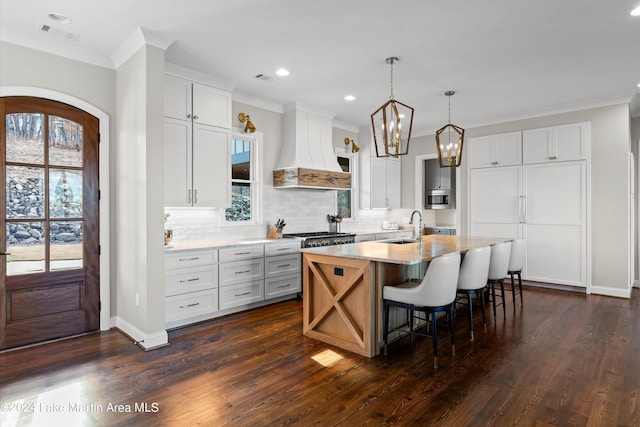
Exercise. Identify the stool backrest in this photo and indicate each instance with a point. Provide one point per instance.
(499, 264)
(440, 282)
(474, 270)
(518, 255)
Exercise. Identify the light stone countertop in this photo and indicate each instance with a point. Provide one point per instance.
(219, 244)
(430, 247)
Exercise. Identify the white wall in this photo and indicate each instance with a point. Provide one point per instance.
(139, 178)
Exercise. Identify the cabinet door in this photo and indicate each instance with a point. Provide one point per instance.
(177, 163)
(537, 145)
(211, 106)
(394, 178)
(211, 167)
(556, 222)
(177, 98)
(378, 183)
(571, 141)
(495, 202)
(496, 150)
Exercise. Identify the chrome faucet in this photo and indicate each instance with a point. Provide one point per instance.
(420, 228)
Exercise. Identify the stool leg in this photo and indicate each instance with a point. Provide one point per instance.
(471, 315)
(504, 309)
(520, 286)
(493, 297)
(386, 326)
(484, 317)
(434, 338)
(452, 327)
(513, 290)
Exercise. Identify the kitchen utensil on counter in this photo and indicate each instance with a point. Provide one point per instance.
(275, 232)
(168, 236)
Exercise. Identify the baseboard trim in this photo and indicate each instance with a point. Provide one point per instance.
(611, 292)
(144, 341)
(553, 286)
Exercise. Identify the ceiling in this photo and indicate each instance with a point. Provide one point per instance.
(505, 59)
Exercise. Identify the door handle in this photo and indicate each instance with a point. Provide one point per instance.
(5, 253)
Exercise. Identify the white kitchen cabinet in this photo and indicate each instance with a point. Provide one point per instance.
(380, 177)
(384, 183)
(241, 294)
(555, 144)
(186, 100)
(191, 287)
(544, 203)
(197, 165)
(241, 271)
(495, 150)
(197, 145)
(365, 237)
(282, 269)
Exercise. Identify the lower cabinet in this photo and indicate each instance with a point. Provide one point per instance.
(201, 285)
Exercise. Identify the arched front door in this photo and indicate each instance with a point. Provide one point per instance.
(49, 234)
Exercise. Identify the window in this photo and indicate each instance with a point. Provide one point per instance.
(243, 180)
(346, 200)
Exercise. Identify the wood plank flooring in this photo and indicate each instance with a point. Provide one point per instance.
(561, 359)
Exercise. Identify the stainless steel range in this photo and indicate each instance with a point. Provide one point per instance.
(323, 238)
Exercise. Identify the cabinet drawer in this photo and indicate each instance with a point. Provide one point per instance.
(241, 252)
(181, 307)
(365, 238)
(190, 280)
(241, 271)
(292, 246)
(282, 264)
(285, 285)
(190, 259)
(241, 294)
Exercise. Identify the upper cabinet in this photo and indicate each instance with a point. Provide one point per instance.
(197, 144)
(186, 100)
(495, 150)
(380, 177)
(558, 143)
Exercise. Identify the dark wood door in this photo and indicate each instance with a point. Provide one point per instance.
(49, 234)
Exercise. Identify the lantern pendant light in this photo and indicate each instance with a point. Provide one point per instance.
(391, 124)
(449, 139)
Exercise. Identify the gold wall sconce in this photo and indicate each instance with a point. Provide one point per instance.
(249, 127)
(354, 147)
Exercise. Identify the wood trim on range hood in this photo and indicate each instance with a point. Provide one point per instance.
(311, 178)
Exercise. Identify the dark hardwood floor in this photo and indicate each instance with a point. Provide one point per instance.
(562, 359)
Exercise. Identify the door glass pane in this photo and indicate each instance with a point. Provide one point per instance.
(25, 243)
(24, 192)
(66, 245)
(65, 193)
(25, 138)
(65, 142)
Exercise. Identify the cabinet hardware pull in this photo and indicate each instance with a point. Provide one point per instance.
(189, 116)
(494, 163)
(283, 249)
(242, 272)
(195, 117)
(284, 265)
(189, 195)
(190, 280)
(242, 253)
(243, 294)
(189, 259)
(190, 305)
(195, 197)
(284, 286)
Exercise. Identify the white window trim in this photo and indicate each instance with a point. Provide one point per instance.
(355, 193)
(256, 190)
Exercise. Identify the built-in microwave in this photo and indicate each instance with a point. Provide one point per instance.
(438, 199)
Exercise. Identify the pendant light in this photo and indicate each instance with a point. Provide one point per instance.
(391, 124)
(449, 139)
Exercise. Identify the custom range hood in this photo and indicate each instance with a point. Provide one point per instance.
(307, 158)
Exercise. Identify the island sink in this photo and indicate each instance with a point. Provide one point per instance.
(399, 241)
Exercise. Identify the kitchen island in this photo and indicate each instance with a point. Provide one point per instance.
(342, 285)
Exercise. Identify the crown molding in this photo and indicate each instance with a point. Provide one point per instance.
(138, 39)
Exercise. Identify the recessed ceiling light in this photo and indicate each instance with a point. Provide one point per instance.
(282, 72)
(59, 18)
(636, 11)
(349, 98)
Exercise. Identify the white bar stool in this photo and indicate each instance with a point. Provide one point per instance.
(473, 278)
